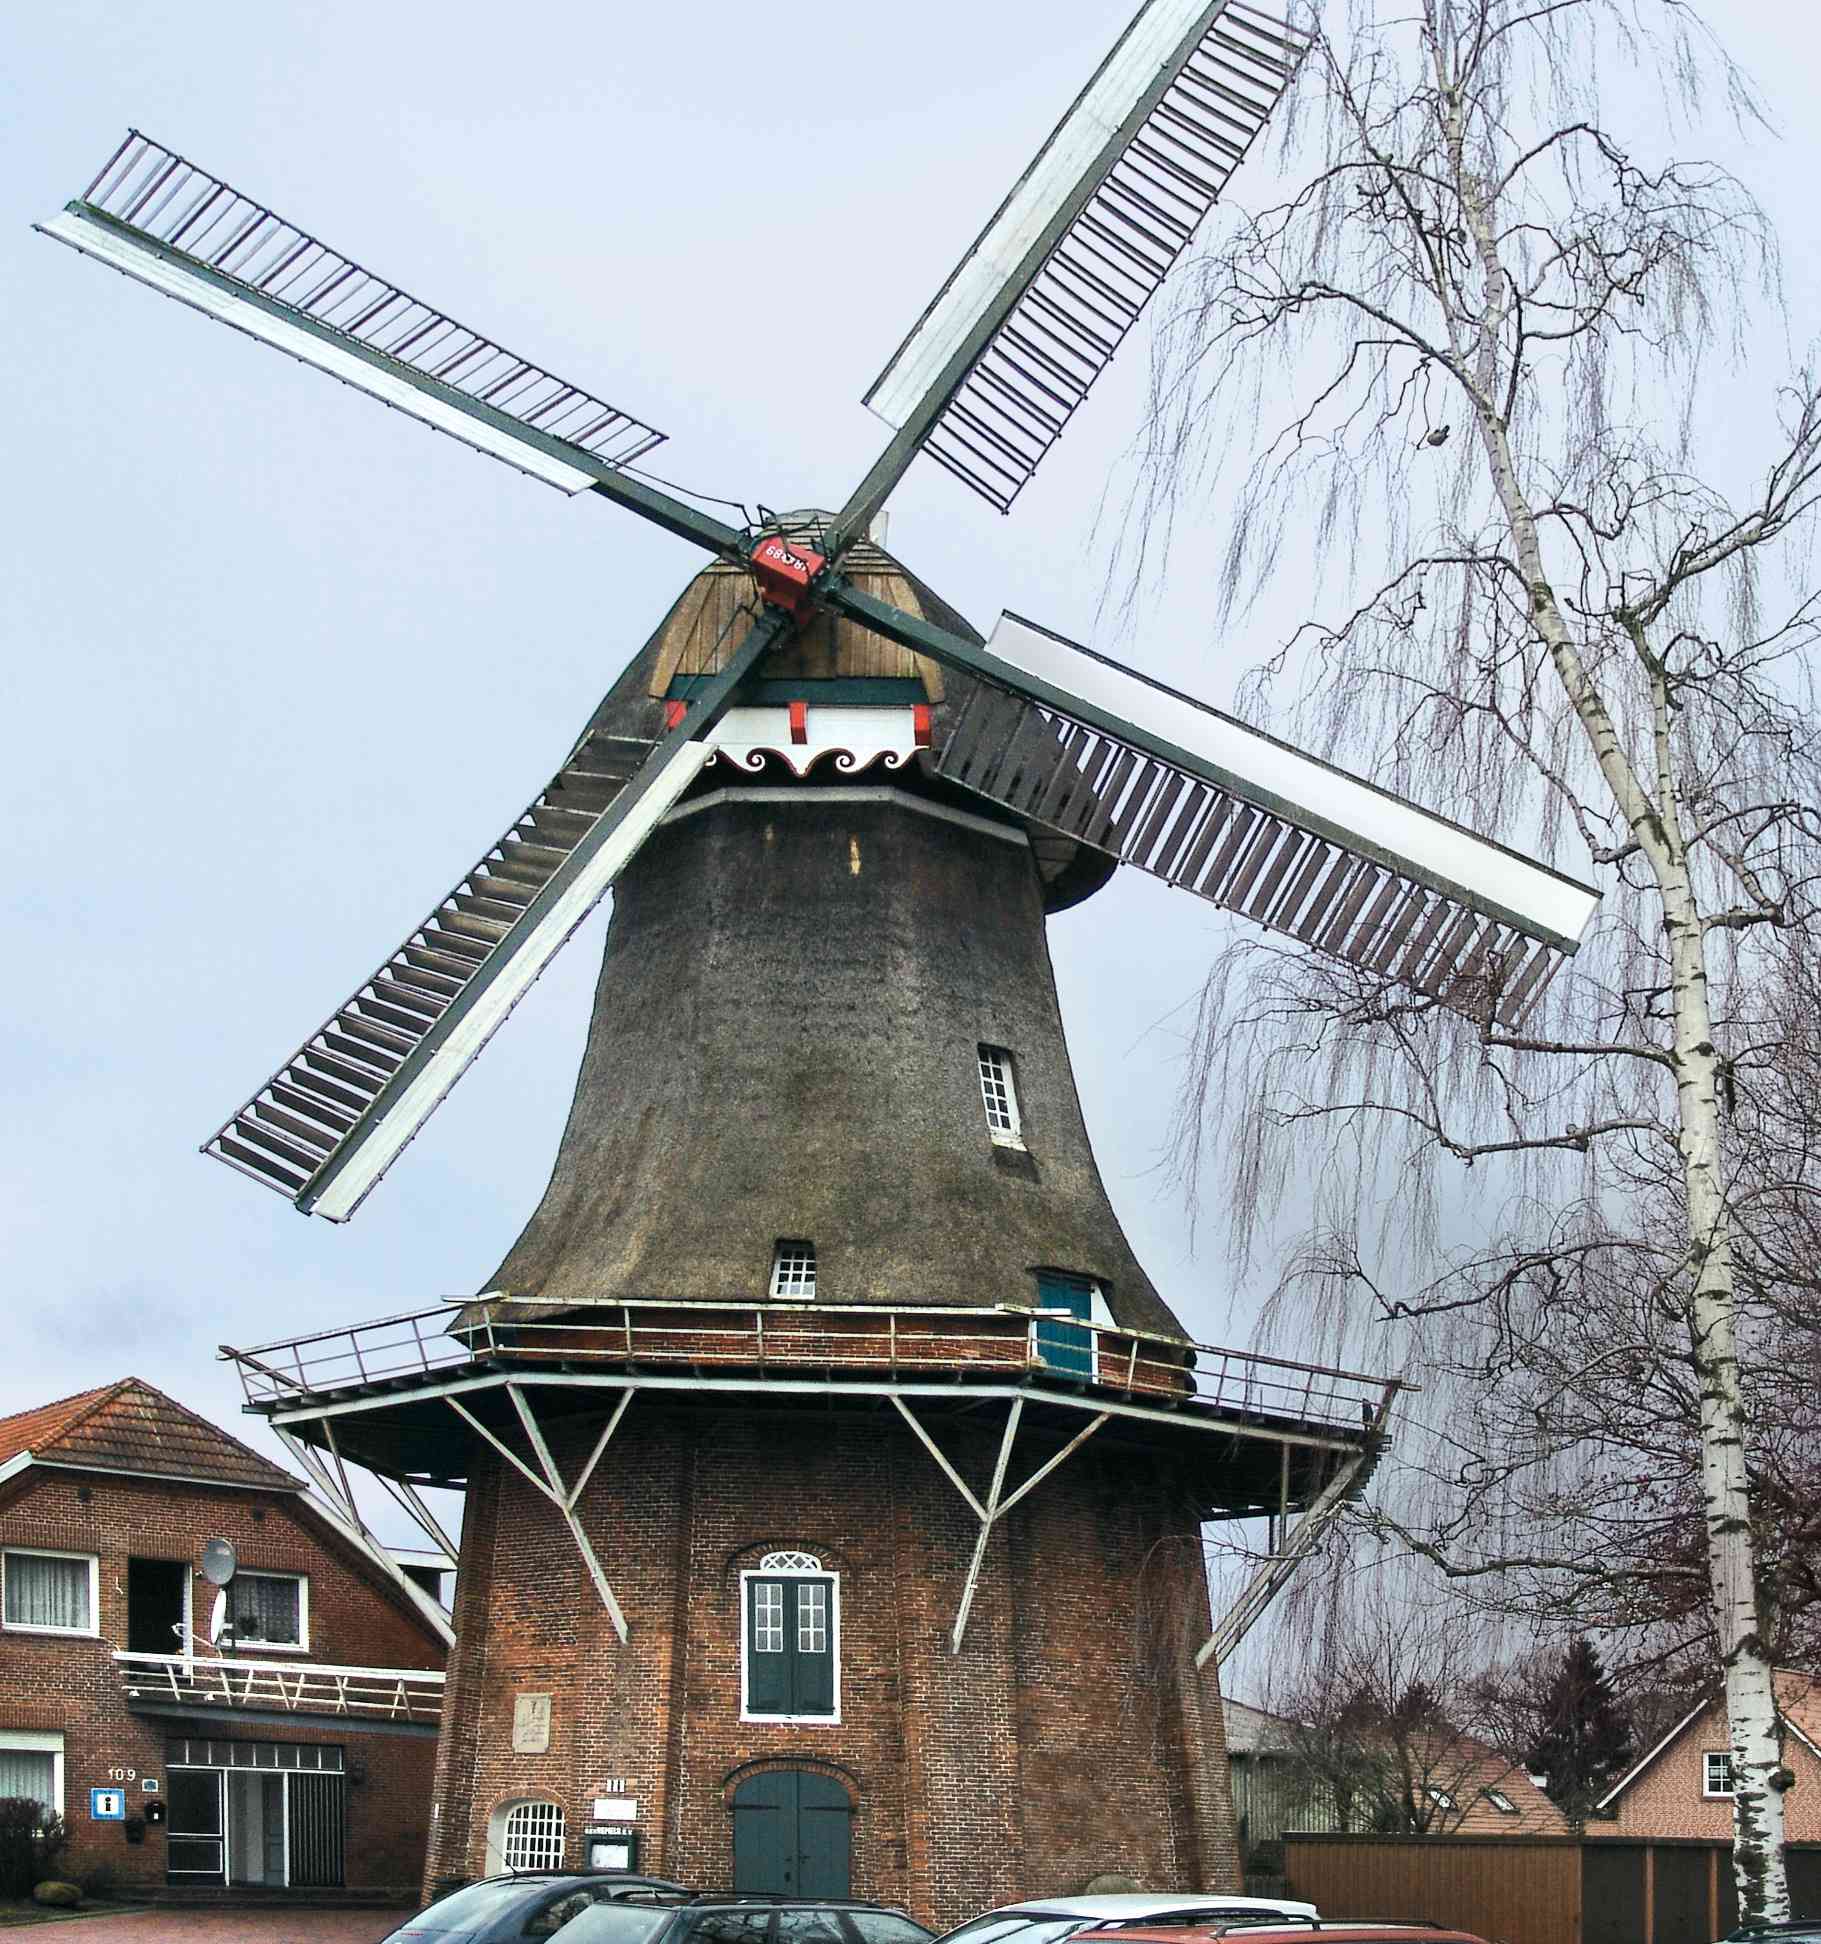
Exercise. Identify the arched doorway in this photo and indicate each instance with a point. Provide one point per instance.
(792, 1835)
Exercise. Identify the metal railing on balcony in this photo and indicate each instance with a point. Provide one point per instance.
(208, 1681)
(760, 1342)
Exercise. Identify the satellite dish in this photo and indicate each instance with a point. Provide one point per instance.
(219, 1560)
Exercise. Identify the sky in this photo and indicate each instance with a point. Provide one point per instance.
(281, 663)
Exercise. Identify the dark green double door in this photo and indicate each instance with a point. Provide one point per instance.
(791, 1835)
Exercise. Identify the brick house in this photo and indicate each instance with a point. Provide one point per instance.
(301, 1755)
(1469, 1787)
(1683, 1786)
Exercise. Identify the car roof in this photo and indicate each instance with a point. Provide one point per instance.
(1341, 1930)
(1132, 1907)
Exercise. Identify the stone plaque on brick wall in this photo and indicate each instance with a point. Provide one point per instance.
(530, 1724)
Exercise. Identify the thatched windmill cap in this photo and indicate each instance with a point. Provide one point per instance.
(706, 622)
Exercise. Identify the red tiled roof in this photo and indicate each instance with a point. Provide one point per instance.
(28, 1430)
(130, 1426)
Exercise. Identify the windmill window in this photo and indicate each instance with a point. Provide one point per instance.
(1716, 1773)
(793, 1270)
(50, 1592)
(532, 1838)
(790, 1652)
(999, 1095)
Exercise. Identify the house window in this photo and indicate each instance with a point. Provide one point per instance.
(1501, 1802)
(1716, 1773)
(268, 1610)
(999, 1095)
(31, 1767)
(790, 1656)
(50, 1592)
(1441, 1798)
(533, 1837)
(793, 1270)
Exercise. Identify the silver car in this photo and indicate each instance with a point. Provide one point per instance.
(1051, 1920)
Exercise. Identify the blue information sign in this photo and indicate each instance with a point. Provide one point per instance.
(107, 1805)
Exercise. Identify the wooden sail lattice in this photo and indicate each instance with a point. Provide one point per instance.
(178, 217)
(1143, 810)
(296, 1122)
(1071, 316)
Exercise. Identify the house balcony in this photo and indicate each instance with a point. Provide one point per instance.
(316, 1693)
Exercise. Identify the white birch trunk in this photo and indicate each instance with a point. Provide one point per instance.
(1759, 1778)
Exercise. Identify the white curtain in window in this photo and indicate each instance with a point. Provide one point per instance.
(44, 1592)
(31, 1776)
(265, 1608)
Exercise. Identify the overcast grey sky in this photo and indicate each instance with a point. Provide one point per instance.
(282, 663)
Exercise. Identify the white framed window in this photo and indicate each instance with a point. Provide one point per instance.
(999, 1096)
(31, 1765)
(793, 1270)
(1716, 1772)
(1441, 1798)
(790, 1640)
(768, 1617)
(1501, 1802)
(50, 1592)
(526, 1835)
(270, 1612)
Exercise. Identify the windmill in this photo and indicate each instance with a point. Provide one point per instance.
(984, 384)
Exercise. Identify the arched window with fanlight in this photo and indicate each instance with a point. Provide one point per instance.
(790, 1647)
(526, 1835)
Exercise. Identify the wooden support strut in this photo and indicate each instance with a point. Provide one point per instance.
(1289, 1551)
(998, 1501)
(551, 1485)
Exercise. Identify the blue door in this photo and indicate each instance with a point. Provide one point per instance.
(1065, 1346)
(791, 1835)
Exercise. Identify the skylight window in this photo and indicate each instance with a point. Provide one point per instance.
(793, 1270)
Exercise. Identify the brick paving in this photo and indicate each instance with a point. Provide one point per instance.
(225, 1927)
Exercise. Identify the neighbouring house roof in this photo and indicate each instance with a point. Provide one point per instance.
(1475, 1773)
(1253, 1731)
(130, 1426)
(1471, 1772)
(1798, 1699)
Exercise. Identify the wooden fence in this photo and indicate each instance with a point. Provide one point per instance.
(1536, 1889)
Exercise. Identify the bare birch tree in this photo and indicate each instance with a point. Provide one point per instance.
(1474, 339)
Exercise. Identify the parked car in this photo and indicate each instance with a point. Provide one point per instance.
(746, 1920)
(1267, 1930)
(1051, 1920)
(536, 1903)
(1792, 1930)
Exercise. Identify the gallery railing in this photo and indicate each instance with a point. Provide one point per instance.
(772, 1342)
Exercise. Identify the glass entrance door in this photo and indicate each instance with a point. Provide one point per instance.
(195, 1849)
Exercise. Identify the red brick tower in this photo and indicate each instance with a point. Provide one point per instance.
(835, 1475)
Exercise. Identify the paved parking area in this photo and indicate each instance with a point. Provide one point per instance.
(222, 1927)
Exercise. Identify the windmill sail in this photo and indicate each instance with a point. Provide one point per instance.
(162, 220)
(327, 1125)
(1069, 739)
(1036, 309)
